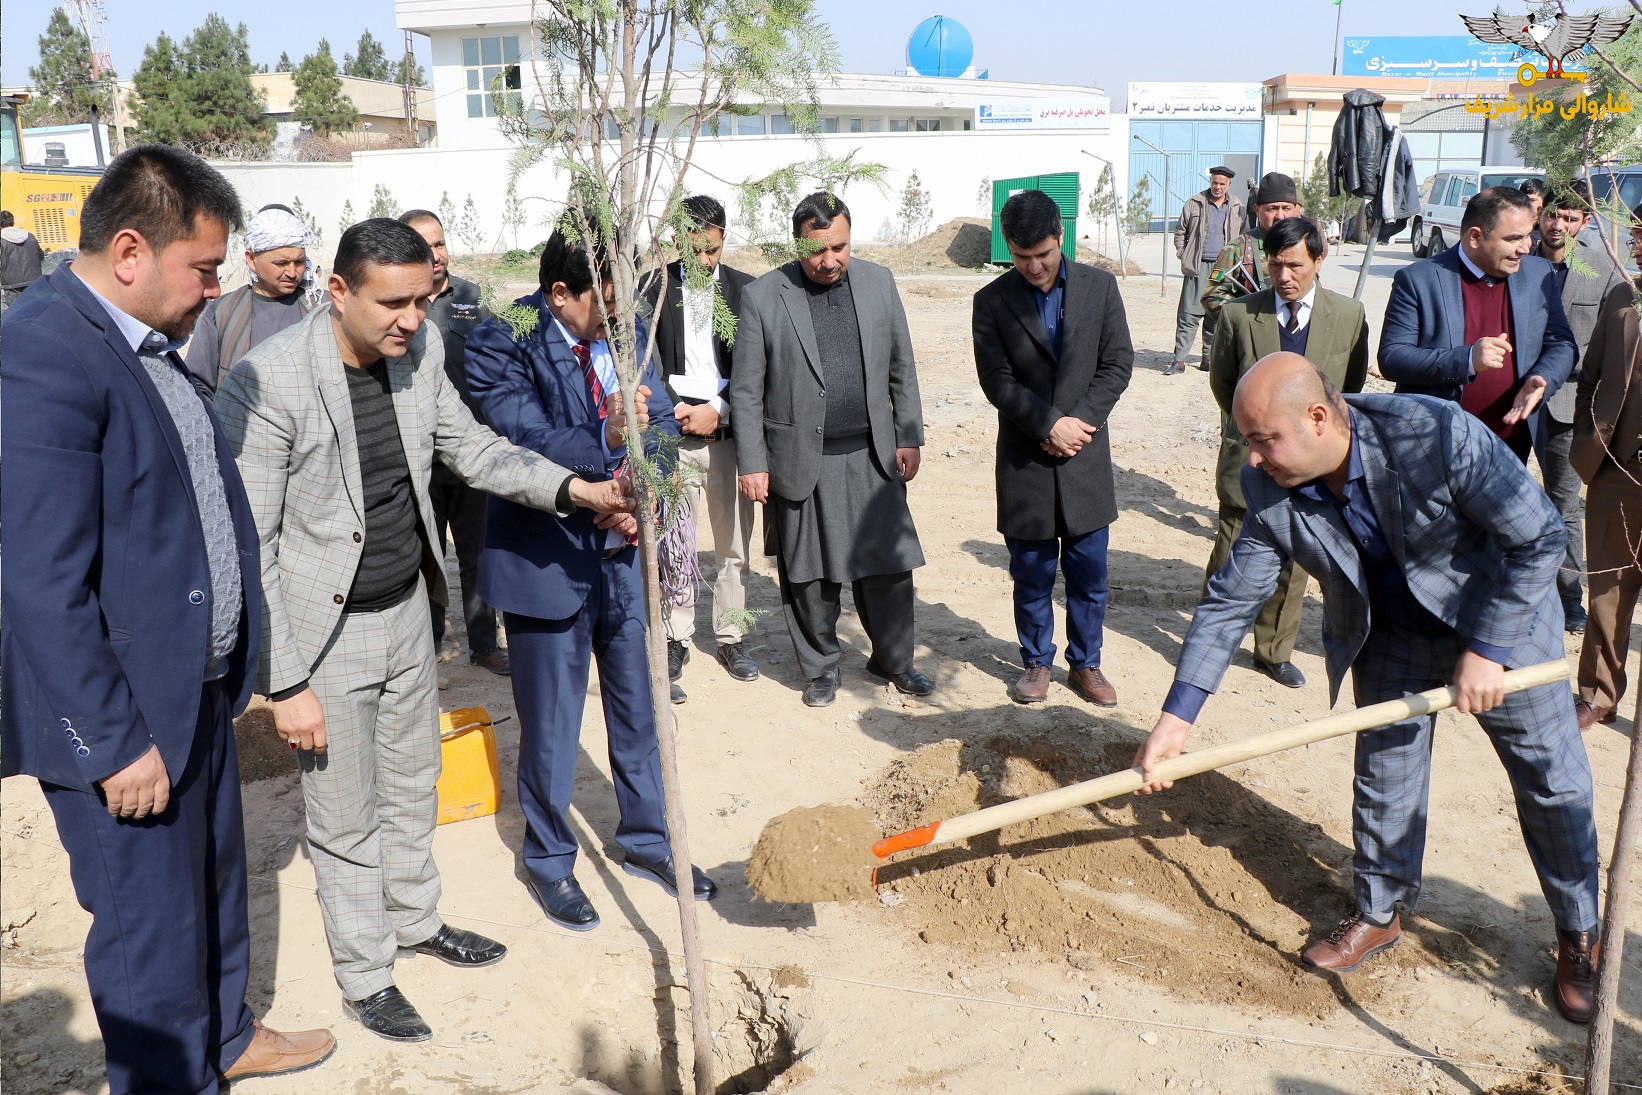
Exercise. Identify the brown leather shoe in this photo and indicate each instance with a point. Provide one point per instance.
(1590, 714)
(1352, 942)
(1578, 956)
(1033, 685)
(275, 1053)
(1091, 684)
(496, 661)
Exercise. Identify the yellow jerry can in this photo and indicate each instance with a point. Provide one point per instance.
(470, 784)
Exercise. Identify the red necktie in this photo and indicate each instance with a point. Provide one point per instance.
(584, 354)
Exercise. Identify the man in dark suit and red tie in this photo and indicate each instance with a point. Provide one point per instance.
(1053, 353)
(571, 588)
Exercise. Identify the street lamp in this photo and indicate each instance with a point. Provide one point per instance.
(1122, 260)
(1162, 271)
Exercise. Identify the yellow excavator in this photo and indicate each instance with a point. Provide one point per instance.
(44, 200)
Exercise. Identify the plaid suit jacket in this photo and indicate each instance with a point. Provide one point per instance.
(1478, 540)
(289, 419)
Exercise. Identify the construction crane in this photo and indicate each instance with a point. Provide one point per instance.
(91, 16)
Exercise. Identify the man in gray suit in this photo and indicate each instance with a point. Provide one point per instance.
(1434, 548)
(825, 395)
(1586, 275)
(335, 424)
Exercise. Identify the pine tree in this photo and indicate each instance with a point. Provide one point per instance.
(157, 113)
(370, 62)
(284, 62)
(320, 103)
(418, 77)
(226, 112)
(64, 88)
(383, 203)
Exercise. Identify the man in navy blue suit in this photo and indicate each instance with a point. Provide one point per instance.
(570, 588)
(1482, 324)
(131, 623)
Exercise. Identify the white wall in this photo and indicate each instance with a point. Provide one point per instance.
(950, 165)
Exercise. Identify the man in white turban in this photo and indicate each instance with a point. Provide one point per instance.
(279, 290)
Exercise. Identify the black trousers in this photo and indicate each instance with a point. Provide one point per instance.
(461, 509)
(884, 603)
(168, 954)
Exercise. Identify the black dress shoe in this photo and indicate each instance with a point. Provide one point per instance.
(734, 657)
(1175, 368)
(821, 691)
(1286, 674)
(1574, 619)
(461, 948)
(676, 693)
(389, 1015)
(677, 655)
(565, 904)
(660, 871)
(912, 682)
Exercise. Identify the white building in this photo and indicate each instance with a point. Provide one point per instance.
(954, 132)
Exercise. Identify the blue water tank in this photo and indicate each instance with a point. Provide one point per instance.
(940, 47)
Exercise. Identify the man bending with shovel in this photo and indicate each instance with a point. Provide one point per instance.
(1434, 549)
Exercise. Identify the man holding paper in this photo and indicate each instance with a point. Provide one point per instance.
(694, 361)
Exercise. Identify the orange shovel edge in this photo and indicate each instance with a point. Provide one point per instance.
(1188, 764)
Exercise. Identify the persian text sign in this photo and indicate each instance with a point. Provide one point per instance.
(1433, 57)
(1223, 101)
(1090, 113)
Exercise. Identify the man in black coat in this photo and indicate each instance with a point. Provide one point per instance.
(1053, 353)
(695, 363)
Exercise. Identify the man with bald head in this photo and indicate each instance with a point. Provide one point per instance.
(1434, 549)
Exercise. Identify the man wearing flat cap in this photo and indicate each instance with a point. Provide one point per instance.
(1240, 268)
(1207, 221)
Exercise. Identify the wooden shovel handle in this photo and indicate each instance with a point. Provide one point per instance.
(1202, 760)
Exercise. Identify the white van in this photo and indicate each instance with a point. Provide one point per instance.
(1437, 228)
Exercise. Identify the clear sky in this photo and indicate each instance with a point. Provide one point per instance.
(1052, 41)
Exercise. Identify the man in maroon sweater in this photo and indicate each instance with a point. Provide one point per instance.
(1483, 324)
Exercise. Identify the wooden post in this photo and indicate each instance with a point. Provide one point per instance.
(1599, 1051)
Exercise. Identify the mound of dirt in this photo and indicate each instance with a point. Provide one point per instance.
(1207, 889)
(821, 853)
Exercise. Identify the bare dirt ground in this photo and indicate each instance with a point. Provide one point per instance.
(1138, 946)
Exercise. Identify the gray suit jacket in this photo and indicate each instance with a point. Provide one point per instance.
(1478, 541)
(776, 379)
(1582, 297)
(289, 419)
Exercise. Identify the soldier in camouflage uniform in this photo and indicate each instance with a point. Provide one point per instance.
(1241, 268)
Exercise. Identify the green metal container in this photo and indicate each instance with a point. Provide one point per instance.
(1062, 187)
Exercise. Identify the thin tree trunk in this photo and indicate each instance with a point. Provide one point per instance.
(1599, 1052)
(695, 967)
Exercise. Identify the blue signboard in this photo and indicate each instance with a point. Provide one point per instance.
(1439, 57)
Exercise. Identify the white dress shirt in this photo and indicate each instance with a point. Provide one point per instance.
(604, 367)
(1302, 306)
(700, 358)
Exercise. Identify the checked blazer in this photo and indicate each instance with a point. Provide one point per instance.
(289, 419)
(1478, 540)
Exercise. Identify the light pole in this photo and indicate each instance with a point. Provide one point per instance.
(1122, 260)
(1162, 271)
(1339, 10)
